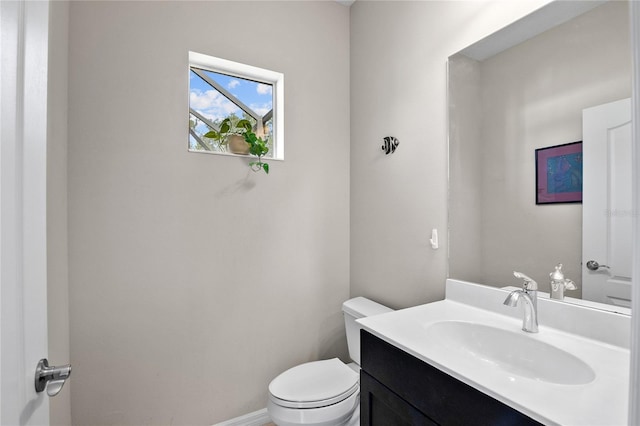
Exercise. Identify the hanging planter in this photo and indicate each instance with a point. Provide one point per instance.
(237, 145)
(239, 138)
(231, 132)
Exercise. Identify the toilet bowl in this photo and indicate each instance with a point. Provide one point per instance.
(326, 392)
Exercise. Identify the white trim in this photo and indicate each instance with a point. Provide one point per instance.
(257, 418)
(23, 157)
(634, 377)
(276, 79)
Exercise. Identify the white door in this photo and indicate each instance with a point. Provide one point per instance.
(23, 137)
(607, 237)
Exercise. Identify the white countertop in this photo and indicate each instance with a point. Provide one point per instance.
(604, 401)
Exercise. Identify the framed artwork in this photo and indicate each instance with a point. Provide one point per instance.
(559, 174)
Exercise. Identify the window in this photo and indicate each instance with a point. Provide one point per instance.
(227, 98)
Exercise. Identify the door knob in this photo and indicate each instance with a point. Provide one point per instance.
(592, 265)
(51, 378)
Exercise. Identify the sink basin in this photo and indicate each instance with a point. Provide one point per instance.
(514, 352)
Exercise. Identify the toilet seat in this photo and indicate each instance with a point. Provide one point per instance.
(343, 413)
(314, 404)
(314, 384)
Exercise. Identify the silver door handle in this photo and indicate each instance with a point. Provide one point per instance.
(51, 378)
(592, 265)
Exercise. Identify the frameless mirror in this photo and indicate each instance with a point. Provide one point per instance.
(522, 89)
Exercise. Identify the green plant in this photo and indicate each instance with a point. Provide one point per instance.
(257, 147)
(229, 126)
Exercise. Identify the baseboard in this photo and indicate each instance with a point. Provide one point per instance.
(257, 418)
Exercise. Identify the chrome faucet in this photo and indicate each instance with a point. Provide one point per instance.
(529, 296)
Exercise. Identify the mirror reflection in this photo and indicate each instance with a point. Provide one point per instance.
(502, 107)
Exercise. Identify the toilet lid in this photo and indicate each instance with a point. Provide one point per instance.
(314, 384)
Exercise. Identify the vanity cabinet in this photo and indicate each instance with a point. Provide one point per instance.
(398, 389)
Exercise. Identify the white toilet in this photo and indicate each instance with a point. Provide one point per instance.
(324, 393)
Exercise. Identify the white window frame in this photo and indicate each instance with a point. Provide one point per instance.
(262, 75)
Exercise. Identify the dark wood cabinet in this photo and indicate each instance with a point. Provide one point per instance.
(397, 388)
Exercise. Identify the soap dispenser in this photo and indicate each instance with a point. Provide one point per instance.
(559, 283)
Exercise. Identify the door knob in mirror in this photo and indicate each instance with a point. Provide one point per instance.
(592, 265)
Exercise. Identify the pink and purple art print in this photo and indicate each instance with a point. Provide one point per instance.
(559, 174)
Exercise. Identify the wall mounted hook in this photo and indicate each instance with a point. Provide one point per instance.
(390, 144)
(434, 239)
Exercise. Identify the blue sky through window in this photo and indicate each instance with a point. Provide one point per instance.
(215, 106)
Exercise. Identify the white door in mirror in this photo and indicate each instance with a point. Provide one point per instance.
(606, 203)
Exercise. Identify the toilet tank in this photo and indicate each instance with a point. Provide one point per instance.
(353, 309)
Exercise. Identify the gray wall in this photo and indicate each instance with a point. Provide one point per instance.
(399, 88)
(57, 231)
(465, 171)
(532, 97)
(194, 281)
